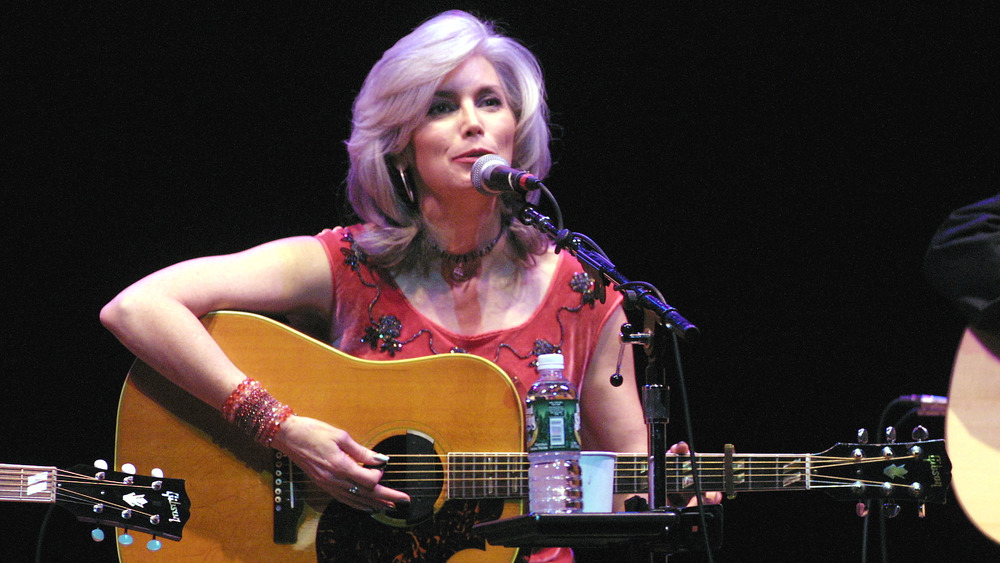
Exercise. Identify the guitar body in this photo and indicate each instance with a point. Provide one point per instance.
(972, 429)
(453, 402)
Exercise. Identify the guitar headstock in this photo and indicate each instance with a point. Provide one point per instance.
(897, 472)
(151, 504)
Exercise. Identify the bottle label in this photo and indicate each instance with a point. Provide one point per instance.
(552, 425)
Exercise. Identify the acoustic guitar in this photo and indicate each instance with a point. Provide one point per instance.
(972, 428)
(453, 427)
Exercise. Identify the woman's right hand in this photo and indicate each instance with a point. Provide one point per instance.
(334, 461)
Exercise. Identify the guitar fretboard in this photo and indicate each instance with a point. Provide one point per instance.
(505, 475)
(487, 475)
(747, 472)
(27, 483)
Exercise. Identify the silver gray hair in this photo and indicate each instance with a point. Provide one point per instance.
(394, 101)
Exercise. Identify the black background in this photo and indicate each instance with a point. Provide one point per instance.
(777, 171)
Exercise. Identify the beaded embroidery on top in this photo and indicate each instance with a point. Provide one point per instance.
(383, 333)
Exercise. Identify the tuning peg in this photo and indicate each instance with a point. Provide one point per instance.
(97, 535)
(130, 470)
(101, 464)
(886, 489)
(125, 539)
(919, 433)
(890, 434)
(862, 509)
(154, 544)
(890, 510)
(157, 474)
(862, 435)
(921, 510)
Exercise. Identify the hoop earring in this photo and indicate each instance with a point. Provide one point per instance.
(406, 185)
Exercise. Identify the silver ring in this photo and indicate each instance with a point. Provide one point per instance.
(353, 490)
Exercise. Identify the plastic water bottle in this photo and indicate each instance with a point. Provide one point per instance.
(553, 425)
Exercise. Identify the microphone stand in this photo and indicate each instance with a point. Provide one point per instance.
(660, 529)
(656, 393)
(566, 240)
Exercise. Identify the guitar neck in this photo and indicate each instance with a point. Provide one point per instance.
(27, 483)
(718, 472)
(505, 475)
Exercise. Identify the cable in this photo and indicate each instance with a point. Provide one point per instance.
(686, 409)
(555, 207)
(41, 534)
(883, 538)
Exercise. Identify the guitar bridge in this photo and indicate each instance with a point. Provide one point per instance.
(287, 508)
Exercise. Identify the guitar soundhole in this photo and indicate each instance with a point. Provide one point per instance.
(406, 536)
(414, 468)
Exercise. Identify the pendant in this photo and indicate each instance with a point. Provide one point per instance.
(460, 272)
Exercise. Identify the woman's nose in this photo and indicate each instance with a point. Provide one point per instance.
(472, 125)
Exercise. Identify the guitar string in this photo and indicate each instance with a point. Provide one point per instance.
(521, 463)
(763, 478)
(501, 491)
(71, 478)
(516, 492)
(486, 466)
(64, 477)
(76, 497)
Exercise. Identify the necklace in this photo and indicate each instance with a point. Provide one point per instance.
(460, 268)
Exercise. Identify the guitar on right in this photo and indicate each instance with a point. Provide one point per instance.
(972, 429)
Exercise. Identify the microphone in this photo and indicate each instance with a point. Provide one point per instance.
(927, 405)
(491, 175)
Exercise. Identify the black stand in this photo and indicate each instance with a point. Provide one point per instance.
(661, 530)
(650, 532)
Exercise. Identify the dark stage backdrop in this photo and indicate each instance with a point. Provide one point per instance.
(776, 171)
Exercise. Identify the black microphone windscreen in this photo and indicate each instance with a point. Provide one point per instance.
(478, 167)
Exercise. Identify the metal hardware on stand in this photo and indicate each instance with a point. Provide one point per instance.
(671, 530)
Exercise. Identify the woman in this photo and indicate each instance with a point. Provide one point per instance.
(434, 267)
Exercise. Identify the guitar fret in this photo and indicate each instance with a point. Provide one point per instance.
(793, 473)
(485, 479)
(456, 483)
(630, 473)
(502, 476)
(517, 476)
(450, 472)
(741, 471)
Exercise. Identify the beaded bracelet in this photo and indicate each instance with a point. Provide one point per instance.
(255, 411)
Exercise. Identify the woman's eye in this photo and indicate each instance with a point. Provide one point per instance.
(492, 101)
(438, 108)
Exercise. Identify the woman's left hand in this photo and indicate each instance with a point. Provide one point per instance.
(710, 497)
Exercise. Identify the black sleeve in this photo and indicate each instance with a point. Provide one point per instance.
(963, 261)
